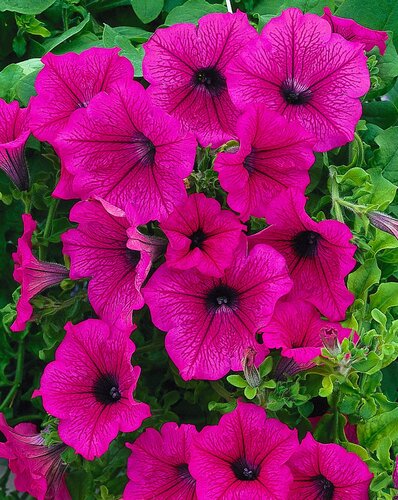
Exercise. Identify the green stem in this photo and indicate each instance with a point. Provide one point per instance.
(25, 418)
(153, 346)
(18, 376)
(335, 196)
(48, 227)
(221, 391)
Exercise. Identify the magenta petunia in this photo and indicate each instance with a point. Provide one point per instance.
(296, 328)
(244, 456)
(33, 275)
(354, 32)
(325, 471)
(300, 69)
(212, 321)
(185, 65)
(124, 149)
(38, 469)
(14, 132)
(89, 387)
(68, 82)
(158, 464)
(201, 235)
(266, 163)
(98, 249)
(318, 254)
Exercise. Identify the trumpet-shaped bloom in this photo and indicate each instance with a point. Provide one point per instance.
(38, 469)
(124, 149)
(267, 161)
(89, 387)
(158, 464)
(301, 69)
(33, 275)
(326, 471)
(318, 254)
(212, 321)
(201, 235)
(244, 456)
(185, 65)
(98, 249)
(297, 327)
(68, 82)
(354, 32)
(14, 133)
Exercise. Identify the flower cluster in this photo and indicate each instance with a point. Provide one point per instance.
(261, 104)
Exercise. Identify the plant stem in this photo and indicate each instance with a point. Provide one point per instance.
(229, 6)
(48, 227)
(220, 390)
(335, 195)
(18, 376)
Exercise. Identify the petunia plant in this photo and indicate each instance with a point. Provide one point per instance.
(198, 249)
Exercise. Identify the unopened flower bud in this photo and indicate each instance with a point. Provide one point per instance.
(384, 222)
(329, 337)
(251, 373)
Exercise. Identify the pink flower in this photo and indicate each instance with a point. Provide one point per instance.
(124, 149)
(296, 327)
(354, 32)
(89, 387)
(14, 133)
(244, 456)
(186, 65)
(68, 82)
(98, 249)
(300, 69)
(212, 321)
(38, 469)
(33, 275)
(324, 471)
(267, 161)
(318, 254)
(201, 235)
(158, 464)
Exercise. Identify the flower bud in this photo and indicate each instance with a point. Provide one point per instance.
(251, 373)
(329, 337)
(384, 222)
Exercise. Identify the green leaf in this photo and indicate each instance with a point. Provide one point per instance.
(315, 6)
(147, 10)
(385, 297)
(386, 157)
(387, 66)
(327, 387)
(111, 38)
(191, 11)
(237, 381)
(266, 366)
(367, 275)
(381, 113)
(380, 16)
(54, 42)
(12, 79)
(383, 191)
(250, 392)
(26, 6)
(374, 430)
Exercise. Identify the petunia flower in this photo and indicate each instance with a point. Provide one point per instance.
(354, 32)
(124, 149)
(33, 275)
(14, 132)
(68, 82)
(296, 328)
(186, 64)
(201, 235)
(212, 321)
(158, 464)
(267, 161)
(384, 222)
(89, 387)
(244, 456)
(99, 249)
(301, 69)
(325, 471)
(318, 254)
(38, 469)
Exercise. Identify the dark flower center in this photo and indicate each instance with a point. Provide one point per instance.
(210, 79)
(295, 93)
(305, 243)
(244, 471)
(248, 162)
(183, 473)
(133, 257)
(222, 296)
(324, 486)
(143, 149)
(197, 238)
(106, 389)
